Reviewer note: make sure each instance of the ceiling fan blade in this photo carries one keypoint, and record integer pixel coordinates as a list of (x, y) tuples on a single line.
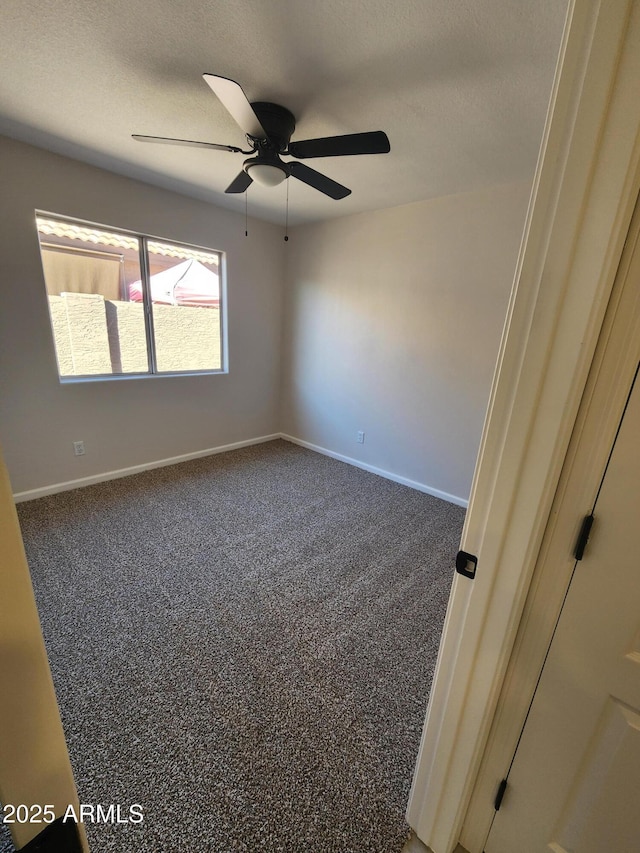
[(232, 96), (375, 142), (240, 183), (317, 181), (168, 141)]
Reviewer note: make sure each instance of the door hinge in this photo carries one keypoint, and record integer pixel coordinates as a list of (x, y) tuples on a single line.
[(583, 536), (502, 787)]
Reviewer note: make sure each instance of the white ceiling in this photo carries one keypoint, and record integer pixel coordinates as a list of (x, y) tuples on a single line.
[(460, 86)]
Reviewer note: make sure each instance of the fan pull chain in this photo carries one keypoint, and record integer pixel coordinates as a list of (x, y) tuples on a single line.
[(286, 216), (246, 213)]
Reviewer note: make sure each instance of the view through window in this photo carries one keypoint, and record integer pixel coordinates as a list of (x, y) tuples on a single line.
[(124, 304)]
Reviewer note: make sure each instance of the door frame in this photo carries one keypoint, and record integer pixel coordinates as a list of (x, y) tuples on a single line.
[(34, 761), (584, 192), (601, 411)]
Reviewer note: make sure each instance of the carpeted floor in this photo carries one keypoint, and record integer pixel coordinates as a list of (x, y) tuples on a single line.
[(244, 645)]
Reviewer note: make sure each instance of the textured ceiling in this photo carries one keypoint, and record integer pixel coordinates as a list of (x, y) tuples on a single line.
[(460, 86)]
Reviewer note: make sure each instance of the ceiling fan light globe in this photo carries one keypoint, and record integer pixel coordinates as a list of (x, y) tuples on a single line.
[(266, 174)]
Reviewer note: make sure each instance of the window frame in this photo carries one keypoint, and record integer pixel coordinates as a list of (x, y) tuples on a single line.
[(147, 304)]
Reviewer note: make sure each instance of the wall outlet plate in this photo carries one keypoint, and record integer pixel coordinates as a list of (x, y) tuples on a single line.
[(78, 448)]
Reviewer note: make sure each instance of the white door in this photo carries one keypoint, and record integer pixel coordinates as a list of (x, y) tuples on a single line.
[(574, 785)]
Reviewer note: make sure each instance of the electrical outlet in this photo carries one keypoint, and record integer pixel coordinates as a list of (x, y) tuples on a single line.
[(360, 438), (78, 448)]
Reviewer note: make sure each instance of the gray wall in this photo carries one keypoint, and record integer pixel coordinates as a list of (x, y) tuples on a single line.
[(393, 324), (126, 422), (387, 322)]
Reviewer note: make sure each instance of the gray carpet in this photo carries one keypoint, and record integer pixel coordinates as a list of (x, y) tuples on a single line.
[(244, 645)]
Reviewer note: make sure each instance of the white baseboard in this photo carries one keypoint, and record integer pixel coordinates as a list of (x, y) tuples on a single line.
[(54, 488), (404, 481)]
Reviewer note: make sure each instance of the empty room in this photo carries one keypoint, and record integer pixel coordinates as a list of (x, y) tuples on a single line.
[(292, 354)]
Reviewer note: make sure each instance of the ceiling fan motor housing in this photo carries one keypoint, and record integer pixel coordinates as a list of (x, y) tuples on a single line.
[(278, 123)]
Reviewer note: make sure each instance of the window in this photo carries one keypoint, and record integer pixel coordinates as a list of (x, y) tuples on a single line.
[(128, 304)]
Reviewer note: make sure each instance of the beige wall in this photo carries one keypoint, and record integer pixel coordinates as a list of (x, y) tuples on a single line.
[(126, 422), (393, 327)]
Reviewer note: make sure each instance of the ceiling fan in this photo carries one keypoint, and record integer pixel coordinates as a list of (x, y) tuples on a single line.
[(268, 128)]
